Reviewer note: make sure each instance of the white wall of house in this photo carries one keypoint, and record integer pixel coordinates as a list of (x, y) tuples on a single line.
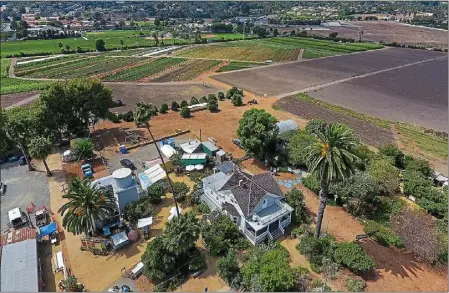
[(270, 199)]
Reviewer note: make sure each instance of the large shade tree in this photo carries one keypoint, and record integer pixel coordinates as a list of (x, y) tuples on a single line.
[(333, 159), (86, 204), (143, 113), (40, 148), (181, 233)]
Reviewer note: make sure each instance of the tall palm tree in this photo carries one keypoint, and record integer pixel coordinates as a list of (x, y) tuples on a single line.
[(40, 148), (142, 115), (333, 159), (181, 233), (87, 204)]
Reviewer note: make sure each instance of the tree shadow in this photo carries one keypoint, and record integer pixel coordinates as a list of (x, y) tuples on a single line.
[(398, 262), (45, 255), (211, 263), (127, 251)]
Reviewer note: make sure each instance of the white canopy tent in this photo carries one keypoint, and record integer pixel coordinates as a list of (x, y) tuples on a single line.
[(173, 213), (190, 167), (199, 167)]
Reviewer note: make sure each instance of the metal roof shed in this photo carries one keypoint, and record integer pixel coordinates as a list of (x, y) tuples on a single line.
[(19, 267), (193, 159), (190, 147), (209, 148)]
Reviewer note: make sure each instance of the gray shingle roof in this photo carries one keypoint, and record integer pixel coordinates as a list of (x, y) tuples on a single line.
[(249, 190), (19, 267), (230, 209)]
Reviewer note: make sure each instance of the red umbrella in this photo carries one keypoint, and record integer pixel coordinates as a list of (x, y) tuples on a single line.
[(133, 236)]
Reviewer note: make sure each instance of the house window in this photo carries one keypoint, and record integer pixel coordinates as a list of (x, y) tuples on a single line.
[(234, 219), (264, 204)]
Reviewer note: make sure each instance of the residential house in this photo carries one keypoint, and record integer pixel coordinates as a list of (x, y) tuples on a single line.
[(254, 202)]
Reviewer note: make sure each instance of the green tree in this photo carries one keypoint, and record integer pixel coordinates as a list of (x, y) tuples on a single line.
[(297, 147), (86, 204), (352, 256), (155, 192), (332, 159), (257, 131), (100, 45), (221, 96), (237, 100), (184, 104), (221, 235), (82, 148), (419, 165), (122, 43), (138, 209), (212, 102), (203, 99), (185, 112), (70, 105), (228, 269), (60, 45), (193, 101), (40, 148), (386, 176), (394, 153), (158, 263), (295, 198), (164, 108), (142, 115), (181, 233), (315, 125), (180, 190), (174, 106)]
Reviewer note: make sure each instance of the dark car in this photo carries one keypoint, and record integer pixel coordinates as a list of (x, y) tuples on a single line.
[(128, 164)]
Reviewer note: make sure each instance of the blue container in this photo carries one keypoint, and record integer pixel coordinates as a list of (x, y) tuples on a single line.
[(123, 149)]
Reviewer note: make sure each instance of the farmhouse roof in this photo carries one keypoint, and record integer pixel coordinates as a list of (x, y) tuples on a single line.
[(249, 190), (190, 147), (22, 234), (230, 209)]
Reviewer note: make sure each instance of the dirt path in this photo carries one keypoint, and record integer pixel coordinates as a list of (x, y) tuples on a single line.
[(320, 86), (23, 102), (301, 52), (11, 67)]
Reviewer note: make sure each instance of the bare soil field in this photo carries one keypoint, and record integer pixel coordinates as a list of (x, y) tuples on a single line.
[(391, 32), (131, 93), (415, 95), (286, 78), (11, 99), (369, 133)]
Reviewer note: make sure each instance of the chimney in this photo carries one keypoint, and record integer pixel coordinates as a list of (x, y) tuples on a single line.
[(240, 182)]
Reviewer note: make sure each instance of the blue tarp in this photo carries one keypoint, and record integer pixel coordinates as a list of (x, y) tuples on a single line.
[(47, 230)]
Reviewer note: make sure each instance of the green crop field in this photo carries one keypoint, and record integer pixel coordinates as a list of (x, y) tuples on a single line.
[(144, 70), (111, 38), (236, 65), (229, 36), (12, 85)]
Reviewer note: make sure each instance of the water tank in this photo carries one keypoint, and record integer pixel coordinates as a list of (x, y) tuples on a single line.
[(123, 177)]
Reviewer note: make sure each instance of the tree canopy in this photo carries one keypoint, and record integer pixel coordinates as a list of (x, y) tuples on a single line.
[(181, 233), (297, 147)]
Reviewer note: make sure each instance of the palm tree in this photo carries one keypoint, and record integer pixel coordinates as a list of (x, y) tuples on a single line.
[(142, 115), (181, 233), (87, 204), (40, 148), (333, 159)]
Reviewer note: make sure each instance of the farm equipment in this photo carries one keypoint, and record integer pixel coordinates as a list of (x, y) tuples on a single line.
[(88, 171), (17, 218), (252, 102)]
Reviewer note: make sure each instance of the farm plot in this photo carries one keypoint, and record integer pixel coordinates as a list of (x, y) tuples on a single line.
[(188, 71), (286, 78), (368, 132), (12, 85), (29, 68), (248, 52), (236, 65), (144, 70)]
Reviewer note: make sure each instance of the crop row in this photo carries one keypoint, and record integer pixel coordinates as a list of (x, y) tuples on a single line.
[(50, 70), (236, 65), (188, 71), (144, 70), (46, 62)]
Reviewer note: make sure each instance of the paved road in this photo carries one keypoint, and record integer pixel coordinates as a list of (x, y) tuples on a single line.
[(23, 187)]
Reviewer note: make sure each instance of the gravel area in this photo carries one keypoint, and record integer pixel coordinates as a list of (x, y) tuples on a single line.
[(23, 187), (286, 78)]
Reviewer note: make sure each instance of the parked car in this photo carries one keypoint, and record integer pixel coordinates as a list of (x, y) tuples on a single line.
[(237, 142), (23, 161), (128, 164)]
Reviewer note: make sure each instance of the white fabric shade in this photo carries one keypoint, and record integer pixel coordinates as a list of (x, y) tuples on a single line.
[(199, 167), (190, 167), (144, 222)]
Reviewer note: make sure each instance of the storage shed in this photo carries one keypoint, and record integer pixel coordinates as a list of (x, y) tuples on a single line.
[(193, 159), (191, 146), (209, 148)]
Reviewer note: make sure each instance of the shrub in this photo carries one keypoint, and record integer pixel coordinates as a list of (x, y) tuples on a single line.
[(355, 285), (82, 148), (185, 112), (212, 103), (383, 235), (128, 116), (234, 91), (184, 104), (180, 189), (352, 256), (203, 208), (314, 126), (100, 45), (394, 153), (193, 101), (319, 286), (237, 100), (203, 99), (138, 209), (295, 198), (416, 184), (418, 165), (114, 118), (228, 268), (312, 183), (316, 249), (155, 192), (297, 147), (164, 108), (174, 106), (221, 96), (221, 235), (386, 176), (301, 231)]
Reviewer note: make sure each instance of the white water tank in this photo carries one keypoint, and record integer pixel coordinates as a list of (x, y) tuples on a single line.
[(123, 177)]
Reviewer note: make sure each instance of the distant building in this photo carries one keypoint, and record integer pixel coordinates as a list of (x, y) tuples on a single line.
[(20, 267)]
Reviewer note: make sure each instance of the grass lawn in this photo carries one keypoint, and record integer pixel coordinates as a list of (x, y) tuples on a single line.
[(111, 38), (229, 36), (12, 85)]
